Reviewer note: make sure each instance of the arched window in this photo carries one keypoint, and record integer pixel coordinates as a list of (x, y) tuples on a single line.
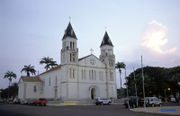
[(73, 45), (73, 57), (73, 73), (70, 45), (49, 81), (35, 89), (70, 57)]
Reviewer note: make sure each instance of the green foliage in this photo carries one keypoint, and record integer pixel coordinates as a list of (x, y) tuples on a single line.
[(156, 81), (28, 69), (9, 75), (121, 93), (13, 91), (49, 63)]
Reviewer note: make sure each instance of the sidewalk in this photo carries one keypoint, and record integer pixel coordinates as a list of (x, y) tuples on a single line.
[(67, 103), (171, 110)]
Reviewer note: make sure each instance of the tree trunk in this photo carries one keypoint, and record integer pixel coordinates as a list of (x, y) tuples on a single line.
[(120, 79), (8, 89), (28, 74)]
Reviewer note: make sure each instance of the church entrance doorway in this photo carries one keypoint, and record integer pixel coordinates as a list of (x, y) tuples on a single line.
[(55, 92), (93, 93)]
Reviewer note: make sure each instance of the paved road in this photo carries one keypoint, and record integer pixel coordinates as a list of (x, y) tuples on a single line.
[(26, 110)]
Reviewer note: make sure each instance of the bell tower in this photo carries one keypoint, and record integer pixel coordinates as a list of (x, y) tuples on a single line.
[(107, 56), (69, 51)]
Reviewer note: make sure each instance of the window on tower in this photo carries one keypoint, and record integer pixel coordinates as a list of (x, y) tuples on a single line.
[(70, 58), (73, 57), (73, 45)]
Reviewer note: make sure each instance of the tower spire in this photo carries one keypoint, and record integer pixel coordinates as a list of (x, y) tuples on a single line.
[(106, 40), (69, 32)]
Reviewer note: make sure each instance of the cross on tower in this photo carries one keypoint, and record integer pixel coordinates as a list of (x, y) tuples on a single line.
[(69, 19), (105, 28), (91, 51)]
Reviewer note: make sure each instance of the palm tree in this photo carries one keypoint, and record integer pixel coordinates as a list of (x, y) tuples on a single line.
[(48, 62), (29, 69), (53, 64), (9, 75), (119, 66)]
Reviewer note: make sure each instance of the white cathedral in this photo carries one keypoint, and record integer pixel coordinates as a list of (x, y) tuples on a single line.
[(75, 78)]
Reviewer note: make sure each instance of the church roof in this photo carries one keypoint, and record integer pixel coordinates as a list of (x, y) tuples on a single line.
[(31, 79), (55, 68), (84, 57), (69, 32), (106, 40), (80, 59)]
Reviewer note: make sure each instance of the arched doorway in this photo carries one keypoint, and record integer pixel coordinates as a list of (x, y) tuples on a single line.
[(93, 93)]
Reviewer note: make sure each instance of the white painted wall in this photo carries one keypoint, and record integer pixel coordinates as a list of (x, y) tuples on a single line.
[(49, 84)]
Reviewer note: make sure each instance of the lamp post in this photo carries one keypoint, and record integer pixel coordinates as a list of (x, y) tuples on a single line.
[(165, 95), (135, 88), (127, 88)]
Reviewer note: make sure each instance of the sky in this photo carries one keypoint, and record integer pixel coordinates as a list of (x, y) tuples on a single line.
[(32, 29)]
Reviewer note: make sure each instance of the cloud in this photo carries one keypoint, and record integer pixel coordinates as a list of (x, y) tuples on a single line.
[(155, 38)]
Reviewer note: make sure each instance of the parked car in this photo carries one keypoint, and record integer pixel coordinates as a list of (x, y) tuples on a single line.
[(40, 101), (102, 101), (16, 101), (172, 99), (132, 101), (1, 101), (10, 101), (151, 101)]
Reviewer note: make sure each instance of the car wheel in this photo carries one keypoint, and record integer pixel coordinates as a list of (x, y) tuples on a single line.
[(152, 105)]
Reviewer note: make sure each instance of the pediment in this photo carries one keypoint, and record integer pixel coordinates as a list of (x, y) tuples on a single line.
[(91, 60)]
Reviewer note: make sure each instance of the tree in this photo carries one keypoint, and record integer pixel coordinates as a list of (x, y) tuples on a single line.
[(9, 75), (29, 69), (119, 66), (49, 63), (12, 93), (157, 80)]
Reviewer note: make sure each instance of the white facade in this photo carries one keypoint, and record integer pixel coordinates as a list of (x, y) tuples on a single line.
[(75, 79)]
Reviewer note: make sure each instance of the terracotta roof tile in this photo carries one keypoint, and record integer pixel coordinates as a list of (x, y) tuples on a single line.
[(55, 68), (31, 79)]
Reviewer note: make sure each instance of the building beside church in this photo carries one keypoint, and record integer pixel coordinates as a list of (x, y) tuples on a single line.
[(75, 78)]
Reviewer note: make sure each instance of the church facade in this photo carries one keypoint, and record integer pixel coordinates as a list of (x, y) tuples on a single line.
[(75, 78)]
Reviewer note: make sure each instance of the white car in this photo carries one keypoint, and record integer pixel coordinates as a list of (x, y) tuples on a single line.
[(173, 99), (102, 101), (153, 101)]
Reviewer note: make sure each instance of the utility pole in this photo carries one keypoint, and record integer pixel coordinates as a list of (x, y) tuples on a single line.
[(135, 88), (143, 81)]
